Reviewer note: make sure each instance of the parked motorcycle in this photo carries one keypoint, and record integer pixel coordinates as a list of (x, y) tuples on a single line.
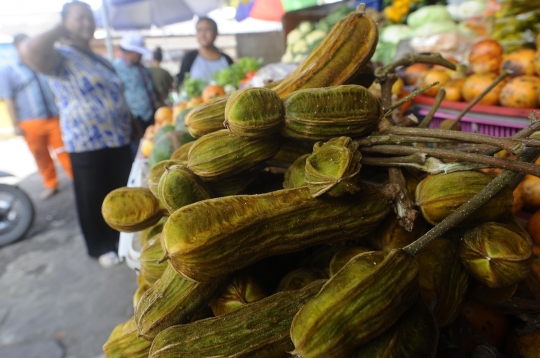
[(16, 212)]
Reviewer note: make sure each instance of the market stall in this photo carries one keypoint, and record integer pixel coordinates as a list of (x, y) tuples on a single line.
[(345, 206)]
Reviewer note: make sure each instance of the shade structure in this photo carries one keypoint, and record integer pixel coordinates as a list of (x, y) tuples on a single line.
[(270, 10), (142, 14)]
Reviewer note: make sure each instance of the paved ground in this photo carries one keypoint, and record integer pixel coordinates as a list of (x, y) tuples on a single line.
[(54, 301)]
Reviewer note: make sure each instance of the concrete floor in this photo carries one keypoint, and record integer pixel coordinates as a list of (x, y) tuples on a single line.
[(55, 302)]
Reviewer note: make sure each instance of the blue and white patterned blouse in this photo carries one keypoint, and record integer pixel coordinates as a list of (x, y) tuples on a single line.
[(93, 112), (135, 92)]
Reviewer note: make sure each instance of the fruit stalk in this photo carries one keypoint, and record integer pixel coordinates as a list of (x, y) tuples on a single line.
[(503, 179), (411, 58), (429, 117), (453, 155)]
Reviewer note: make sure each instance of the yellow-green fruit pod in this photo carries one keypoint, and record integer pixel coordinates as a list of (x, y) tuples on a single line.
[(151, 270), (172, 300), (291, 150), (242, 289), (333, 168), (231, 186), (179, 187), (132, 209), (141, 289), (443, 279), (299, 278), (497, 255), (206, 117), (150, 232), (256, 330), (254, 112), (326, 113), (391, 235), (181, 154), (156, 172), (295, 176), (221, 154), (125, 343), (343, 256), (361, 301), (441, 194), (414, 335), (219, 236)]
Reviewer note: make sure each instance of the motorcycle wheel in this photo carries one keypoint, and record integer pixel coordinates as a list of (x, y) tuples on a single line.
[(16, 213)]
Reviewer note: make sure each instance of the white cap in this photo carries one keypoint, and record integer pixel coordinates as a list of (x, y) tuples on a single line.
[(133, 41)]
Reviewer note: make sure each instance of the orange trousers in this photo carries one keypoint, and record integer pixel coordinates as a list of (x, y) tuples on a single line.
[(40, 134)]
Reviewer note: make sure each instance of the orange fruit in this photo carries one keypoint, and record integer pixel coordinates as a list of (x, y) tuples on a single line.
[(163, 114), (533, 228), (212, 91), (476, 84), (434, 75)]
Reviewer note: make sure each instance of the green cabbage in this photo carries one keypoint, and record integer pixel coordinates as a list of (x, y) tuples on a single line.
[(428, 14)]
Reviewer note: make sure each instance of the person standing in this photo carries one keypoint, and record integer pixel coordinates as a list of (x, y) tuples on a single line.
[(138, 88), (94, 117), (161, 78), (204, 62), (34, 115)]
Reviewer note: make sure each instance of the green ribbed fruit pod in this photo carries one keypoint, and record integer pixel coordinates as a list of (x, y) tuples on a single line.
[(391, 235), (443, 279), (255, 330), (220, 236), (333, 168), (441, 194), (242, 289), (181, 154), (132, 209), (361, 301), (233, 185), (124, 342), (206, 117), (178, 187), (157, 171), (329, 112), (254, 113), (221, 154), (344, 255), (295, 176), (414, 335), (497, 255), (173, 300), (151, 270), (149, 233), (299, 278)]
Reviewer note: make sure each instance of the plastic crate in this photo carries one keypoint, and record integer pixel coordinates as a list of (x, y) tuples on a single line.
[(490, 120)]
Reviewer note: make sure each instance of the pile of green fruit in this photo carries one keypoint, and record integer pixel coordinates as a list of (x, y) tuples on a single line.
[(268, 237)]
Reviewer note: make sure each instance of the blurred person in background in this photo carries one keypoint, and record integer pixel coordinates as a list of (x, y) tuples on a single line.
[(138, 88), (94, 117), (34, 114), (204, 62), (161, 78)]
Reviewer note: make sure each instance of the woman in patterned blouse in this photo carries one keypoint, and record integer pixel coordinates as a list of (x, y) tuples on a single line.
[(94, 118)]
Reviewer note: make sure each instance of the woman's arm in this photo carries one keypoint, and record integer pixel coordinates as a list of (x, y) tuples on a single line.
[(39, 52)]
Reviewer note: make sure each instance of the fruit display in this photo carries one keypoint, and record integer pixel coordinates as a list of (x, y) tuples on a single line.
[(487, 60), (311, 224)]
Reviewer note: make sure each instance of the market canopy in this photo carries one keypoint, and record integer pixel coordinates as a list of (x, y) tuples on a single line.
[(142, 14), (270, 10)]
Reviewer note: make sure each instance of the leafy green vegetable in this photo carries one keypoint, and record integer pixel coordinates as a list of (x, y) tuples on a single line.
[(193, 86), (237, 71)]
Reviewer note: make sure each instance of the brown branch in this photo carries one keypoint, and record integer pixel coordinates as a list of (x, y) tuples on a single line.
[(512, 145), (527, 168), (403, 205), (412, 58), (471, 206), (417, 158), (524, 133), (499, 78), (429, 117), (395, 139), (390, 107)]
